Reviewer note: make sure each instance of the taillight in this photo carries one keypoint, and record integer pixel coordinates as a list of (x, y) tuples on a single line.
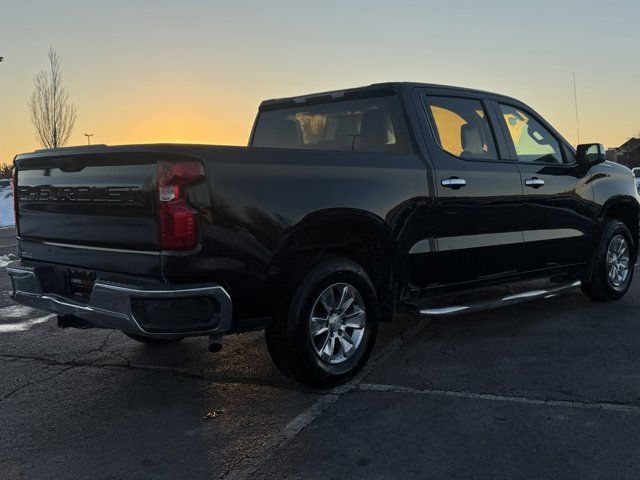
[(178, 224), (14, 190)]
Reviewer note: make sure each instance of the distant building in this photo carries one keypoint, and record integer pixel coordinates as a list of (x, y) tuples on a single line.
[(612, 155), (628, 154)]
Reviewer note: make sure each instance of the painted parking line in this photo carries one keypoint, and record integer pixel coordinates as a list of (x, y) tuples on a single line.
[(253, 461), (617, 407), (24, 326)]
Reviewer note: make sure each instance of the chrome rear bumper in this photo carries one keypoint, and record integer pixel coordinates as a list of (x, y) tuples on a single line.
[(110, 303)]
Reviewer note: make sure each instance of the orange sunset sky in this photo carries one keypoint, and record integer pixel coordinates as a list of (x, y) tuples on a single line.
[(195, 71)]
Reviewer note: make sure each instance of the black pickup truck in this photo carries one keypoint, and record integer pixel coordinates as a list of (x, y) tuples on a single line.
[(344, 207)]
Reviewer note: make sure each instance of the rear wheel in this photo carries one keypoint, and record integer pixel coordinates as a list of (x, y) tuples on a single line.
[(613, 264), (326, 328)]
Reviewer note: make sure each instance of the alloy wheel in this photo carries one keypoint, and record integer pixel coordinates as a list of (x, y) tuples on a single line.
[(337, 323), (618, 259)]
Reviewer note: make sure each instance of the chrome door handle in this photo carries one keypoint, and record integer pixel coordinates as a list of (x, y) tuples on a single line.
[(454, 182), (534, 182)]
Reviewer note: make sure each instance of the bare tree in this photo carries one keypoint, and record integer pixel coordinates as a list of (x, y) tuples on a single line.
[(52, 114), (6, 170)]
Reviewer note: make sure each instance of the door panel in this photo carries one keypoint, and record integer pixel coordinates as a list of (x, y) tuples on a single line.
[(478, 226), (477, 220), (558, 227), (557, 219)]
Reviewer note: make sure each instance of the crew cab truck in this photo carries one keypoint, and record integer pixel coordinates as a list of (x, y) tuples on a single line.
[(344, 207)]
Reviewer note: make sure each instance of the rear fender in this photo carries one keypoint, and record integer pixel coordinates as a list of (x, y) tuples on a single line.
[(357, 234)]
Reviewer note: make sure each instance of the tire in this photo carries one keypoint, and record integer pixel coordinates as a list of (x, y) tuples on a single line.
[(602, 287), (301, 348), (152, 341)]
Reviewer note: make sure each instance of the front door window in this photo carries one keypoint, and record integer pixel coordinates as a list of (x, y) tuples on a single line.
[(533, 142)]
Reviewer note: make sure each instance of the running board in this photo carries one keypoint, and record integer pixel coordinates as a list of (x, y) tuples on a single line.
[(502, 302)]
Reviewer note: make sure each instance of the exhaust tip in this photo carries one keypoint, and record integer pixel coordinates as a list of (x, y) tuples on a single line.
[(215, 343)]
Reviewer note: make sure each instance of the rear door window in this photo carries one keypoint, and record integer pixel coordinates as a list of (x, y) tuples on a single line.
[(461, 127), (372, 125)]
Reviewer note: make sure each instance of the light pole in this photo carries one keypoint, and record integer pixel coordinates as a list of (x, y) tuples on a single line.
[(88, 135), (575, 96), (1, 59)]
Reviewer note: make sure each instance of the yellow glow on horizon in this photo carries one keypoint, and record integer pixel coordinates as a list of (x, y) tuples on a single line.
[(193, 118), (195, 72)]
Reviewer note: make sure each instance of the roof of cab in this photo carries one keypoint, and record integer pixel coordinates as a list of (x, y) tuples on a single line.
[(376, 89)]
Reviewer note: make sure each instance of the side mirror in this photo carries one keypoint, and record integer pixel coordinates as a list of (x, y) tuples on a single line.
[(591, 154)]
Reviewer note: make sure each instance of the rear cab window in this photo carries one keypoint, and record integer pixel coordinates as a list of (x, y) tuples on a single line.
[(373, 125)]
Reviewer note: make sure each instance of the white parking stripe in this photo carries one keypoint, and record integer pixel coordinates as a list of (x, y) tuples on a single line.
[(23, 326), (369, 387), (263, 454)]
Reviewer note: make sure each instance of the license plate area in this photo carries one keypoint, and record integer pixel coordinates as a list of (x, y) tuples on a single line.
[(81, 283)]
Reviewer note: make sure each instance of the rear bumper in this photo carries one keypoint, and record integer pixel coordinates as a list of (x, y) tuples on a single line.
[(112, 304)]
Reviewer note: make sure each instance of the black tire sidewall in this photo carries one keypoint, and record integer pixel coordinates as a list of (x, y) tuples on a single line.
[(314, 283)]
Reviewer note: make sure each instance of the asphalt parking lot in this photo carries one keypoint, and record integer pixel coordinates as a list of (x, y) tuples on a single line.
[(547, 389)]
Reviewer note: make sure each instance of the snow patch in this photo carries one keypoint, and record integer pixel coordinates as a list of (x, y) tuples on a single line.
[(7, 259), (19, 312), (23, 326), (6, 211), (16, 311)]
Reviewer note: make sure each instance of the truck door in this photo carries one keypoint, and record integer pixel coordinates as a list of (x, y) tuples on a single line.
[(477, 225), (558, 221)]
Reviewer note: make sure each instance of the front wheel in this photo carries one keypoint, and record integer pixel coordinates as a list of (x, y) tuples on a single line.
[(325, 330), (613, 266)]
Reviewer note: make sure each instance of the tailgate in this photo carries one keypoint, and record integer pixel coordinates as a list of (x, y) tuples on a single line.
[(103, 202), (94, 211)]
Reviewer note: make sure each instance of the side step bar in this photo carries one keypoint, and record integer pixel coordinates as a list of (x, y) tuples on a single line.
[(502, 302)]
